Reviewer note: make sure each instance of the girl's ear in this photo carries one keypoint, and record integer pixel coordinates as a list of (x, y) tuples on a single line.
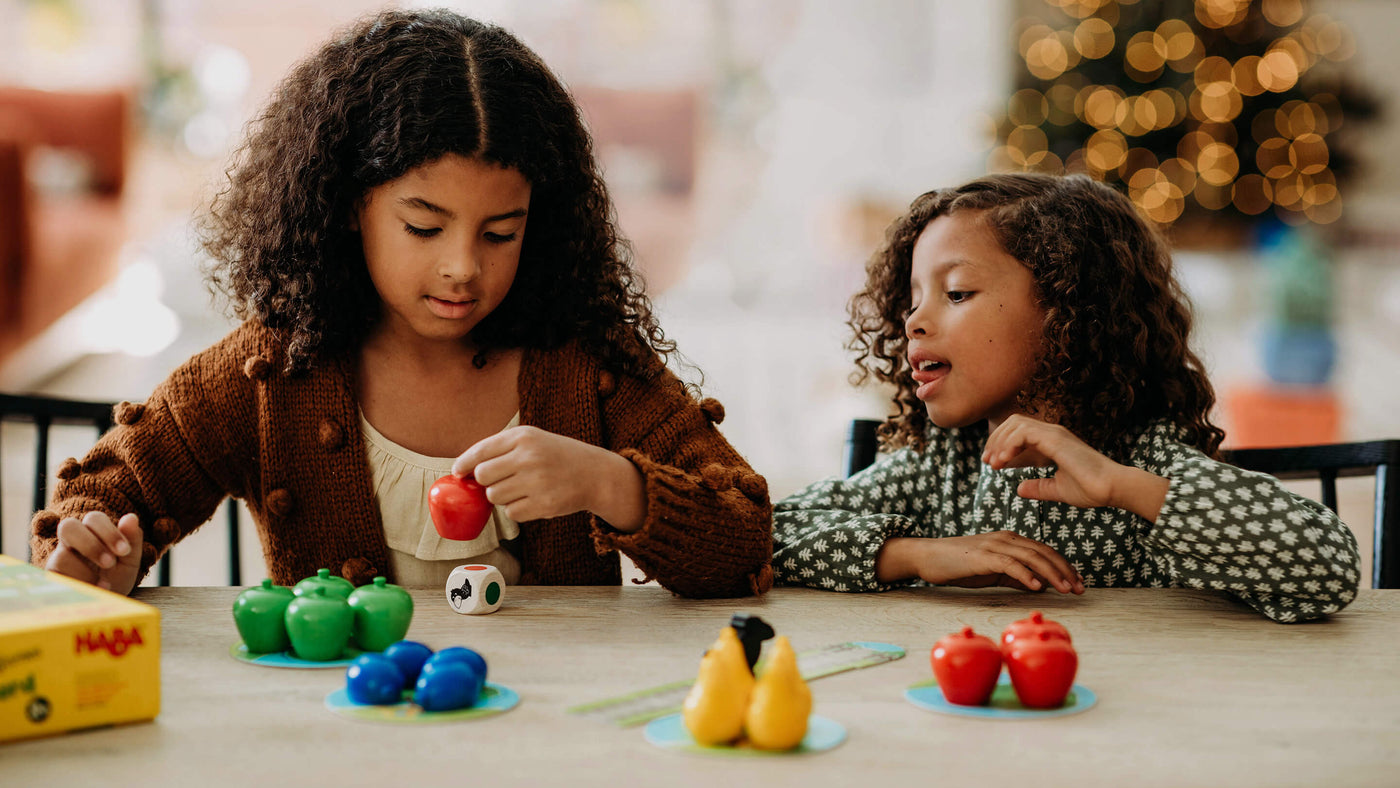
[(355, 209)]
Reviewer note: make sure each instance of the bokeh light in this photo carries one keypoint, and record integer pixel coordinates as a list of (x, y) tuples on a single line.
[(1226, 106)]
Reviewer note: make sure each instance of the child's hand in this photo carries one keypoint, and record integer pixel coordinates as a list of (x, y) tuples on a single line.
[(533, 474), (1083, 477), (1000, 558), (95, 551)]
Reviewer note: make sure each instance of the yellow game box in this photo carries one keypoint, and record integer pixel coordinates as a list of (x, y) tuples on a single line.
[(72, 655)]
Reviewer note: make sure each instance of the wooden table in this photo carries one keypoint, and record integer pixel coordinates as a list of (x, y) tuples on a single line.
[(1192, 690)]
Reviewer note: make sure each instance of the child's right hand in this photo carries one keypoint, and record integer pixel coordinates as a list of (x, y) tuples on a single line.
[(999, 558), (95, 551)]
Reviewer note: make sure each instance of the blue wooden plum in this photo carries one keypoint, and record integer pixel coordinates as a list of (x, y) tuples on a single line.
[(463, 655), (374, 679), (409, 655), (448, 686)]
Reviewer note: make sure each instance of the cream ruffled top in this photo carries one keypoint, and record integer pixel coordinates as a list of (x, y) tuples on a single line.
[(418, 556)]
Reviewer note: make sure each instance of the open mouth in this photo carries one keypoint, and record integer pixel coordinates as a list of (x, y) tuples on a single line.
[(930, 366)]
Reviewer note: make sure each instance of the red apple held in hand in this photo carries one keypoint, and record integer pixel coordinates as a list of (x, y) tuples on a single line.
[(1031, 627), (458, 507), (1042, 670), (967, 667)]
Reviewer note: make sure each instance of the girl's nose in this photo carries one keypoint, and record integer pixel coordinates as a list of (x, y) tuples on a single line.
[(916, 324), (460, 267)]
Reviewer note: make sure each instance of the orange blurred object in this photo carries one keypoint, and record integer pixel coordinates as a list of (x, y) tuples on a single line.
[(1267, 416)]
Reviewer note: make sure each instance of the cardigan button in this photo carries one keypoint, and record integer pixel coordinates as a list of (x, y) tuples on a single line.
[(607, 383), (279, 502), (358, 570), (331, 436)]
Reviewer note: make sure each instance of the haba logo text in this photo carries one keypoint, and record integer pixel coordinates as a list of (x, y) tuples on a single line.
[(116, 642)]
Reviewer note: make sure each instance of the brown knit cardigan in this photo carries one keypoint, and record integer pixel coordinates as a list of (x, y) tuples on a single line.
[(228, 423)]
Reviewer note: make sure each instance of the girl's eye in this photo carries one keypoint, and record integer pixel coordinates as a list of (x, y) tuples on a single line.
[(497, 238), (959, 296), (422, 232)]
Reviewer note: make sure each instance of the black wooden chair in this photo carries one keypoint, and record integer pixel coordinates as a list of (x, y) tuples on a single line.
[(47, 412), (1325, 463)]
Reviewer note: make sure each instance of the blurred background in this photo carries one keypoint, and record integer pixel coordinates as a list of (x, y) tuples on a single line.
[(756, 151)]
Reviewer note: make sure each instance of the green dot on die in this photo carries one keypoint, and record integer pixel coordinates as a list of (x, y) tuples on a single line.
[(493, 593)]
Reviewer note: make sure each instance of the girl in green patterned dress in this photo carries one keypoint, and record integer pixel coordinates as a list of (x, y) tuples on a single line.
[(1051, 425)]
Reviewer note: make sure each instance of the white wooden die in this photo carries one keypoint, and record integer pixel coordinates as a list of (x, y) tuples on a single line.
[(475, 589)]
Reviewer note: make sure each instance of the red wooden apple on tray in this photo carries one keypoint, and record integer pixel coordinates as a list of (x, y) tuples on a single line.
[(967, 667), (1031, 627), (458, 507), (1042, 668)]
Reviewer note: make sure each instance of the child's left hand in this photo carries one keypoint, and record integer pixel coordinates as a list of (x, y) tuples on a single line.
[(533, 474), (1083, 476)]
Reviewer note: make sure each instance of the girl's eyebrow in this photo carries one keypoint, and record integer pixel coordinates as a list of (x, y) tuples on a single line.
[(419, 202), (944, 266)]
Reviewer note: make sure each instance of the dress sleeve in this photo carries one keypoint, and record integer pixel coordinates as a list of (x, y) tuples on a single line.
[(708, 526), (168, 461), (829, 534), (1232, 530)]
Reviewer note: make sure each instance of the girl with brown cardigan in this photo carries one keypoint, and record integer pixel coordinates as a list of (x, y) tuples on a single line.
[(373, 237)]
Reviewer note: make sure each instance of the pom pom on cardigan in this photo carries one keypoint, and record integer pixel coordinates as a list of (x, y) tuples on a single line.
[(128, 413), (257, 367), (45, 524), (69, 469), (713, 409)]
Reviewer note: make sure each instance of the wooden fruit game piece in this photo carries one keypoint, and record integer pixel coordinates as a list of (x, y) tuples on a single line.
[(475, 589), (259, 613), (319, 625), (458, 508), (335, 586), (752, 632), (781, 703), (1042, 669), (383, 612), (1031, 626), (967, 666)]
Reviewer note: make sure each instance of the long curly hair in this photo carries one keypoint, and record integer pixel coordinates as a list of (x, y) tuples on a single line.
[(1117, 323), (392, 92)]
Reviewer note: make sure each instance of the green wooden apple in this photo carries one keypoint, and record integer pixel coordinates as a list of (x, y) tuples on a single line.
[(259, 613), (382, 614), (335, 586), (319, 625)]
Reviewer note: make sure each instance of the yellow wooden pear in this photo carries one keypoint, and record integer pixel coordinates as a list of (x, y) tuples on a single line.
[(781, 702), (714, 707)]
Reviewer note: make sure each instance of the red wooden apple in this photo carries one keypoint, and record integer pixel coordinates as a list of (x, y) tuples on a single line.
[(1042, 669), (1030, 627), (458, 507), (967, 667)]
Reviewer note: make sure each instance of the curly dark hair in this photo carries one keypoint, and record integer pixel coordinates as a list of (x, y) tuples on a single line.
[(1117, 323), (390, 93)]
